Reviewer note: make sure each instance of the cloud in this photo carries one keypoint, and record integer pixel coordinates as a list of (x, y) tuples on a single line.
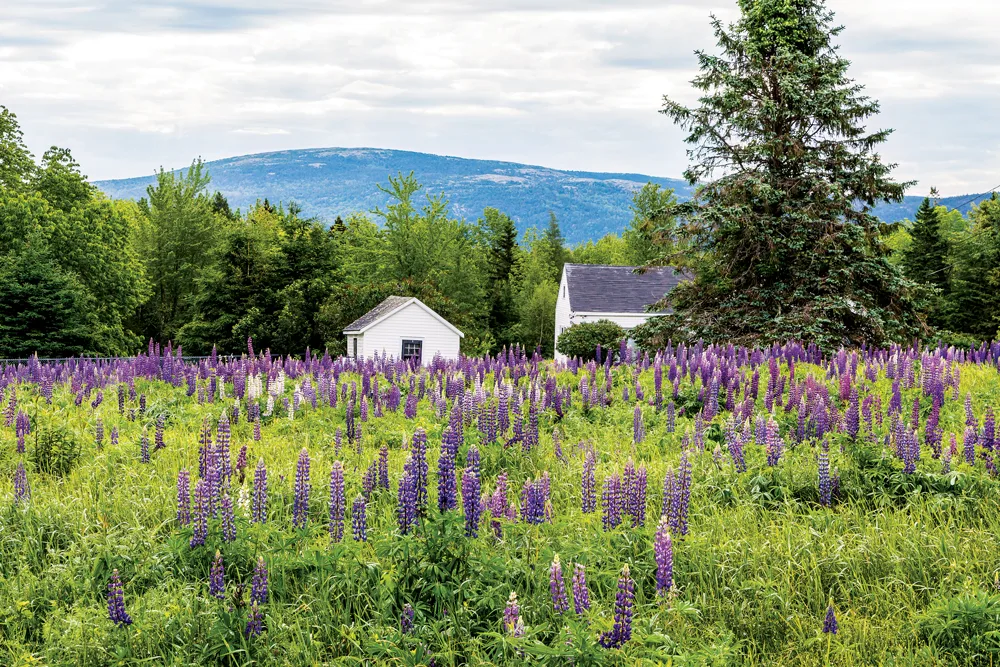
[(571, 84)]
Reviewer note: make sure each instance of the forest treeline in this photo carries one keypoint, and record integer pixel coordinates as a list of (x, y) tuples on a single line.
[(81, 274)]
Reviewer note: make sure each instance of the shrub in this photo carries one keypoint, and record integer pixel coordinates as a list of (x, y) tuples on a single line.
[(56, 451), (966, 626), (581, 340)]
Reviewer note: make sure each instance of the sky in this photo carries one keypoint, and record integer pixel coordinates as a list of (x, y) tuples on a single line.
[(130, 85)]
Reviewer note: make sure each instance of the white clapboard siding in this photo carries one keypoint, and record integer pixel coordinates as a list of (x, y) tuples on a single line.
[(412, 322)]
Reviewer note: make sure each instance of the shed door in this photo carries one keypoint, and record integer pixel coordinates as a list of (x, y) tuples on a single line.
[(412, 349)]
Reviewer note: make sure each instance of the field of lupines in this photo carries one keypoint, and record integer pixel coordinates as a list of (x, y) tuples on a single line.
[(703, 505)]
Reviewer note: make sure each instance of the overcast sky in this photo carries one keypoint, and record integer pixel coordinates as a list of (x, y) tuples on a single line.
[(129, 85)]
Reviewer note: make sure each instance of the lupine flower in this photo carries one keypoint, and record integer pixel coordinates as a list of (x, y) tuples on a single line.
[(359, 519), (825, 489), (419, 456), (116, 602), (183, 497), (383, 467), (258, 585), (634, 491), (300, 507), (22, 428), (22, 491), (638, 427), (144, 448), (535, 501), (830, 622), (337, 502), (611, 501), (471, 489), (201, 512), (255, 621), (621, 631), (663, 552), (773, 442), (588, 484), (158, 442), (406, 618), (217, 578), (228, 519), (512, 622), (258, 512), (406, 509), (99, 433), (447, 487), (241, 462), (581, 596), (557, 587), (114, 435)]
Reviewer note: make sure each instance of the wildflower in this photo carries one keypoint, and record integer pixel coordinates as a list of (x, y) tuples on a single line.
[(663, 552), (611, 500), (470, 500), (144, 448), (216, 578), (447, 489), (406, 618), (512, 617), (638, 428), (201, 512), (116, 602), (258, 512), (825, 488), (406, 509), (183, 497), (22, 491), (621, 631), (774, 444), (830, 622), (337, 502), (581, 596), (359, 519), (300, 507), (258, 584), (228, 519), (588, 484), (557, 587), (634, 492), (255, 621)]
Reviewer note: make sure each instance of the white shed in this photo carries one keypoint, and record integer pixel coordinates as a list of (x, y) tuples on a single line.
[(591, 292), (403, 327)]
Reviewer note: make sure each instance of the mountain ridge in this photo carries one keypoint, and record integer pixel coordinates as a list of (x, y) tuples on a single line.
[(332, 181)]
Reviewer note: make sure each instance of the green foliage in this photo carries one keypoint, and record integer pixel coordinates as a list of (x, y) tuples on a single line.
[(780, 234), (973, 294), (581, 340), (56, 451), (965, 626)]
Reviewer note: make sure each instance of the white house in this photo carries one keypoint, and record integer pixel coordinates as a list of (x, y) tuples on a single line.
[(591, 292), (403, 327)]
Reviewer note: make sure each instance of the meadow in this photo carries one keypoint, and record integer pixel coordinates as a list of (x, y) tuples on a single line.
[(699, 506)]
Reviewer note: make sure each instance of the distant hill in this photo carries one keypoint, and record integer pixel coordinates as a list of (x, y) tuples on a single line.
[(327, 182)]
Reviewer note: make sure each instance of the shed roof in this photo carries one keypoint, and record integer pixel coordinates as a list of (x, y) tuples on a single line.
[(389, 306), (599, 288)]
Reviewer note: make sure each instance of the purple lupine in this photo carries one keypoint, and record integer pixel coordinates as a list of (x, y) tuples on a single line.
[(228, 518), (471, 489), (734, 443), (300, 506), (557, 587), (774, 444), (447, 486), (588, 483), (663, 553), (410, 411), (581, 595), (383, 467), (406, 508), (255, 621), (114, 435), (989, 430), (638, 427), (823, 466), (258, 584), (420, 469), (99, 433), (406, 618), (830, 621), (338, 502), (144, 448), (258, 510), (116, 602), (217, 578), (671, 417), (969, 445), (22, 429), (359, 519), (158, 442), (256, 429), (634, 491), (201, 512), (183, 497), (621, 631), (535, 501), (512, 622), (611, 501), (22, 491), (241, 462)]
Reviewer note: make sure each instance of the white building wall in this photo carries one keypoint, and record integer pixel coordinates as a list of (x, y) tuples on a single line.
[(562, 313), (410, 323)]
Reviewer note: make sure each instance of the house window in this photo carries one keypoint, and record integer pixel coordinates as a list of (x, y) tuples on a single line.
[(355, 347), (564, 291), (412, 350)]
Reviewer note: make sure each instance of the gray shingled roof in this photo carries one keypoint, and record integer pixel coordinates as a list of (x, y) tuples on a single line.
[(390, 304), (597, 288)]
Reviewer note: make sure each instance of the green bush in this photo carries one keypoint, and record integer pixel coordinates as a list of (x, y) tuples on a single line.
[(581, 340), (56, 451), (966, 626)]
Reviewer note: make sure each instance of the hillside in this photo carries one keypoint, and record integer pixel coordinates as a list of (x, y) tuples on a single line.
[(327, 182)]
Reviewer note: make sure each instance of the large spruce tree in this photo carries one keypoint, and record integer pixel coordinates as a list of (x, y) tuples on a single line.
[(780, 236), (926, 259)]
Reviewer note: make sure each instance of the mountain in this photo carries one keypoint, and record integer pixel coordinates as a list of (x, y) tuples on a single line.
[(327, 182)]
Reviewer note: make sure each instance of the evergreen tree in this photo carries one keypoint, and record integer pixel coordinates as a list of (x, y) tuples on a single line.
[(972, 303), (925, 260), (780, 235), (555, 246), (501, 235)]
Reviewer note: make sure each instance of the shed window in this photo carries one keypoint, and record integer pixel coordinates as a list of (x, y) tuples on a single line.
[(355, 347), (412, 350)]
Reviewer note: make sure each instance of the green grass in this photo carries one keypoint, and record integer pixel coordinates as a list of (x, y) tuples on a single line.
[(909, 561)]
